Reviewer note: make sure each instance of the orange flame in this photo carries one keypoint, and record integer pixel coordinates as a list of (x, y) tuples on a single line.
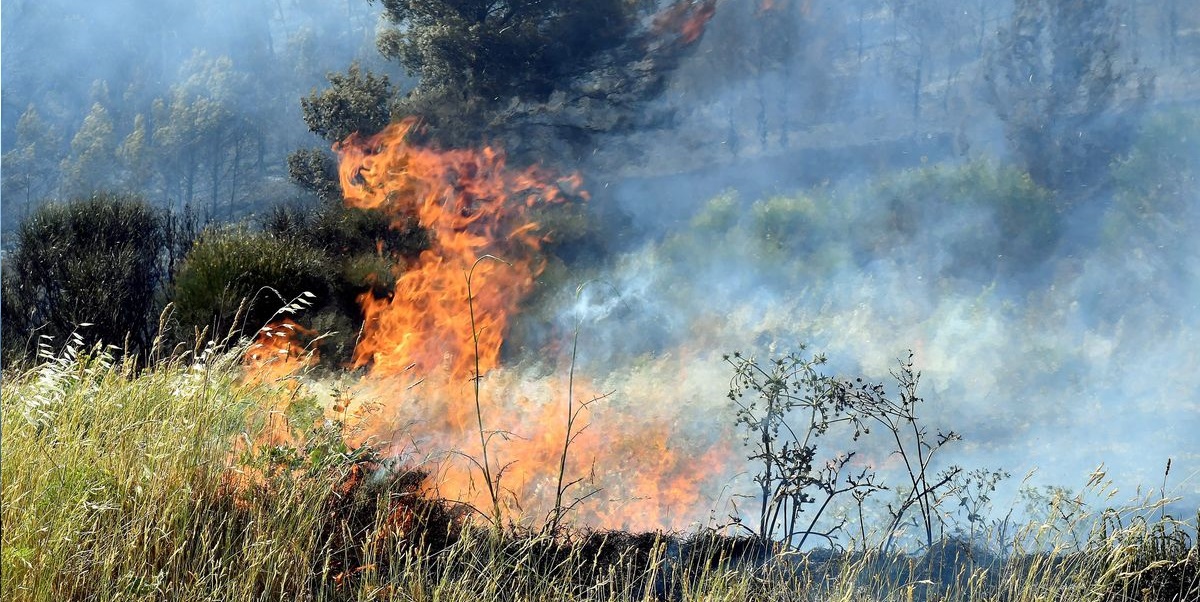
[(474, 206), (277, 352), (688, 18), (420, 349), (425, 343), (640, 468), (444, 323)]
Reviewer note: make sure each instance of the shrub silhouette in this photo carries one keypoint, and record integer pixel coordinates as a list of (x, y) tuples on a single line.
[(95, 261)]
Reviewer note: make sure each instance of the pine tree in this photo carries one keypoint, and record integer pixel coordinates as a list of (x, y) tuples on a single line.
[(134, 153), (90, 166), (30, 169), (1059, 82)]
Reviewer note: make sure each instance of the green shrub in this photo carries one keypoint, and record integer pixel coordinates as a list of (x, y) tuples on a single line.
[(798, 224), (96, 261), (362, 246), (1159, 174), (232, 265), (343, 231), (1022, 225)]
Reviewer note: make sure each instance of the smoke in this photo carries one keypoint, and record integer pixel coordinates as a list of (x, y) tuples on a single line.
[(239, 65), (819, 173), (1056, 330), (802, 197)]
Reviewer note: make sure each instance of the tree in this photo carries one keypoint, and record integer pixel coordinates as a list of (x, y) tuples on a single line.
[(1057, 80), (92, 265), (134, 153), (315, 170), (923, 31), (202, 143), (474, 56), (485, 49), (90, 165), (358, 101), (30, 169)]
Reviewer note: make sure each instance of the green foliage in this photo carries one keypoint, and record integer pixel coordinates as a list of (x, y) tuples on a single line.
[(314, 169), (1019, 224), (96, 262), (357, 101), (800, 224), (1154, 205), (31, 167), (577, 232), (476, 55), (362, 245), (362, 250), (91, 165), (344, 231), (982, 219), (201, 143), (485, 50), (230, 266), (719, 215), (134, 153)]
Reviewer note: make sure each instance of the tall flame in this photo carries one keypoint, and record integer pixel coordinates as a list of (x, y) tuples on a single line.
[(443, 325), (450, 309), (474, 207)]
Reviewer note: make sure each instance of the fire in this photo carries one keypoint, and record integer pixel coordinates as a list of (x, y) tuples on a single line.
[(425, 345), (443, 326), (638, 466), (437, 335), (452, 305), (277, 352), (688, 18), (766, 6)]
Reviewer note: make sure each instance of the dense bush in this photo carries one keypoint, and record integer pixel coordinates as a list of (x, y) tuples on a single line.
[(987, 217), (344, 231), (234, 265), (96, 261)]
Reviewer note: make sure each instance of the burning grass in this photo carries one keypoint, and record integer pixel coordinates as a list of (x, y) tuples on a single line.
[(169, 483)]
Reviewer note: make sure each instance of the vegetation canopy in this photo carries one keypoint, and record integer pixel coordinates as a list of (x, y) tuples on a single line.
[(93, 266)]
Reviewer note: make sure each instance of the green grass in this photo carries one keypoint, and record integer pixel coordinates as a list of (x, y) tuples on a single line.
[(126, 484)]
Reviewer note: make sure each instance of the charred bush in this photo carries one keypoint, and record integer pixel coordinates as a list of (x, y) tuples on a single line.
[(710, 550), (375, 516)]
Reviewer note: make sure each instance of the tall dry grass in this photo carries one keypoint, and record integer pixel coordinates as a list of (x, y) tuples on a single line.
[(178, 482)]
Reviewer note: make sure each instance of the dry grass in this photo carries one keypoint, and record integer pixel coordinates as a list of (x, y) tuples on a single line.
[(121, 484)]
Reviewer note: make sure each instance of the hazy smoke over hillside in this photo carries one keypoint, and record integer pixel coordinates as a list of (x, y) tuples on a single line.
[(1060, 342), (186, 102), (823, 173)]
